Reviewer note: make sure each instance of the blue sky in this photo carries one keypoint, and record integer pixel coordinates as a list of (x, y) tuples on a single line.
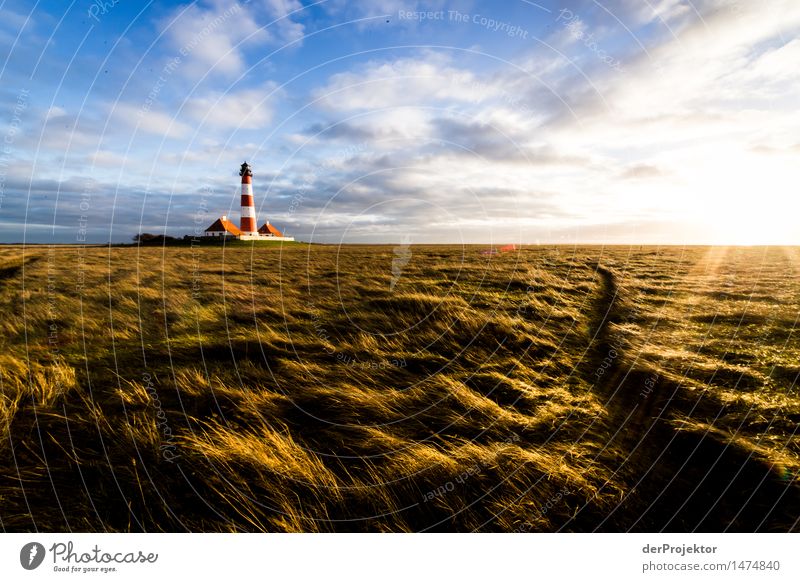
[(656, 121)]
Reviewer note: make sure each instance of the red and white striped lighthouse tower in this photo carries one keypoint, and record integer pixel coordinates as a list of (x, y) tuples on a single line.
[(248, 223)]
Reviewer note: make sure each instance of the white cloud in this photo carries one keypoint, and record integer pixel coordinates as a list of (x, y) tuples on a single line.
[(150, 121), (211, 37), (285, 29), (423, 81), (107, 159), (206, 38), (718, 77), (772, 74), (55, 111), (666, 11), (248, 109)]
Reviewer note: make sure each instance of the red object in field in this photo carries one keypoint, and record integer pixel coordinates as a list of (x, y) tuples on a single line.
[(248, 221), (503, 249)]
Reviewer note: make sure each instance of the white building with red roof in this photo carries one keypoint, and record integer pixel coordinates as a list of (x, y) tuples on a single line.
[(223, 227)]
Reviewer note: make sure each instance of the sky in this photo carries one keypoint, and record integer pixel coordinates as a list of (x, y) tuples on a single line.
[(579, 121)]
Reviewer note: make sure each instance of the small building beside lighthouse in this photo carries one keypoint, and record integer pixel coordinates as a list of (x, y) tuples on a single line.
[(268, 230), (223, 227), (247, 230)]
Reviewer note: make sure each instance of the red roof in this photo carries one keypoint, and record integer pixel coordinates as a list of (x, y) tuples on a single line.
[(221, 225), (267, 228)]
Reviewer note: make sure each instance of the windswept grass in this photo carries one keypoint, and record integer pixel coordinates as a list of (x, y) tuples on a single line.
[(298, 389)]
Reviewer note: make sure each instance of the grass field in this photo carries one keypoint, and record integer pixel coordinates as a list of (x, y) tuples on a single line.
[(358, 388)]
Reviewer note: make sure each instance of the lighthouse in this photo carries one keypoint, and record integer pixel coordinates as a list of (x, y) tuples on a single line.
[(223, 228), (248, 221)]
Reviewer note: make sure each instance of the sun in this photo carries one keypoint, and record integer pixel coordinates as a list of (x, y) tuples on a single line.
[(749, 200)]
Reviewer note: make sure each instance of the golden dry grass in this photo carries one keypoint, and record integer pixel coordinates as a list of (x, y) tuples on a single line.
[(296, 389)]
